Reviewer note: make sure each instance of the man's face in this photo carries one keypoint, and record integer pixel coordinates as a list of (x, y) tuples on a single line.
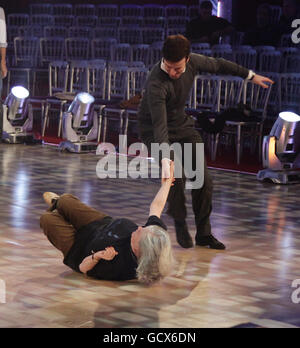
[(205, 13), (174, 69)]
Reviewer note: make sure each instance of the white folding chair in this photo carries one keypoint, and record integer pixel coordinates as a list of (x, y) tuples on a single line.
[(41, 19), (289, 92), (154, 22), (131, 11), (17, 19), (86, 21), (97, 76), (220, 52), (229, 94), (79, 31), (136, 82), (130, 35), (204, 98), (77, 48), (176, 21), (84, 10), (116, 92), (269, 61), (245, 57), (128, 21), (120, 52), (101, 48), (155, 54), (107, 11), (62, 9), (140, 53), (51, 49), (55, 31), (58, 84), (25, 60), (153, 10), (40, 9), (151, 35), (289, 56), (64, 20)]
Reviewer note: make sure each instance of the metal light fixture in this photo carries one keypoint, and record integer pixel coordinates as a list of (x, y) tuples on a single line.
[(281, 149), (80, 125), (17, 116)]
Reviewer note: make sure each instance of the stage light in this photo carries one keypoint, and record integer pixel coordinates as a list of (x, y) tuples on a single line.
[(80, 108), (17, 116), (80, 125), (281, 151)]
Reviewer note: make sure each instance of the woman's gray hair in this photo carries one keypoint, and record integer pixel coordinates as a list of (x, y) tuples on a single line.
[(156, 257)]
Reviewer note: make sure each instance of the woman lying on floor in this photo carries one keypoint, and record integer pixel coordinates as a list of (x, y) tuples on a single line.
[(95, 244)]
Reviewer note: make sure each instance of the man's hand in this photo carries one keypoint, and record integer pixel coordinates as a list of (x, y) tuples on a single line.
[(262, 81), (159, 202), (167, 171), (3, 69), (108, 254)]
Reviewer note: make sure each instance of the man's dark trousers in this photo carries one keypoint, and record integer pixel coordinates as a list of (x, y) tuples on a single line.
[(202, 197)]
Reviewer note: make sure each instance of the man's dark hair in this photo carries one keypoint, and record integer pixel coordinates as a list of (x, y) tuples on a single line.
[(206, 5), (176, 47)]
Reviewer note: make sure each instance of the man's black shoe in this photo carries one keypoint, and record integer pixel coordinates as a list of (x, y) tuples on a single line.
[(210, 241), (182, 235)]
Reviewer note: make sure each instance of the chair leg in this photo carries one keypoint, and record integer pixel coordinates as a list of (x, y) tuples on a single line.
[(100, 123), (238, 144), (61, 114), (99, 128), (104, 129), (215, 147), (126, 123), (45, 120), (8, 81), (260, 143), (60, 122)]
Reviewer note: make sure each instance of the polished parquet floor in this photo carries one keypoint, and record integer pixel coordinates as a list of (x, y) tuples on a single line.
[(249, 284)]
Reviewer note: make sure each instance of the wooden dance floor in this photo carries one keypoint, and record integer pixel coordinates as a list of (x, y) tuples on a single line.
[(248, 285)]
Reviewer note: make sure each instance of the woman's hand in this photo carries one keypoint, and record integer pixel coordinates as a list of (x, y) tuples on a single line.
[(108, 254)]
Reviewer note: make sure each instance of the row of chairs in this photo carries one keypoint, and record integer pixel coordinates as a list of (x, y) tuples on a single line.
[(35, 54), (109, 84), (284, 94), (32, 56), (31, 52), (259, 58), (114, 10), (94, 21), (128, 34)]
